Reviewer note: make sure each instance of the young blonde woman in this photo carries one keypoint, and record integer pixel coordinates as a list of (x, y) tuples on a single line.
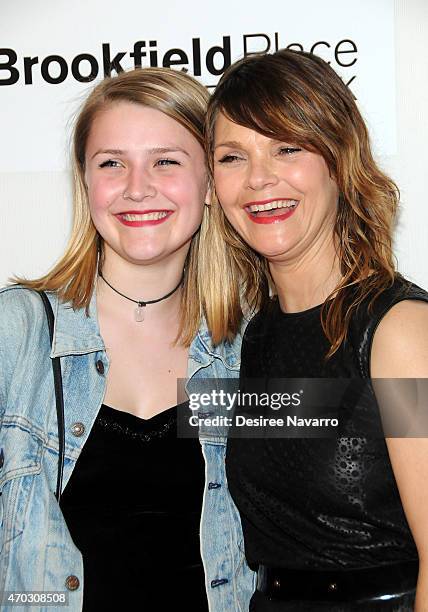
[(338, 523), (100, 502)]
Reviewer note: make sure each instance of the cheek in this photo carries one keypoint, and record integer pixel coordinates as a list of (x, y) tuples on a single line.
[(97, 199), (329, 192), (189, 192), (226, 189), (100, 193), (301, 179), (99, 202)]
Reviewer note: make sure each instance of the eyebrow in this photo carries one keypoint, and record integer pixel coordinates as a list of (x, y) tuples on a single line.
[(229, 143), (108, 151), (152, 151), (157, 150)]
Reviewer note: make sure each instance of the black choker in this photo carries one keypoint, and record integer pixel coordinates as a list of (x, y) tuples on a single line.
[(139, 313)]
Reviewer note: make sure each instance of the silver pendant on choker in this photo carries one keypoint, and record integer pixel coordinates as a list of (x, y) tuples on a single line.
[(139, 312)]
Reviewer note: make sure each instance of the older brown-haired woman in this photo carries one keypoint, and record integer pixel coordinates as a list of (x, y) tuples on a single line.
[(338, 523)]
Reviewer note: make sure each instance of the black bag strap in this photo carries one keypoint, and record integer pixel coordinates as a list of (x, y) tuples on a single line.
[(59, 397)]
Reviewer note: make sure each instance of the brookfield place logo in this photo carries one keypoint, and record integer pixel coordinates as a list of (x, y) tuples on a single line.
[(197, 58)]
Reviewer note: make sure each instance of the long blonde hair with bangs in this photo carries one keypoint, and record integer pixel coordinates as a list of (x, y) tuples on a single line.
[(298, 98), (178, 96)]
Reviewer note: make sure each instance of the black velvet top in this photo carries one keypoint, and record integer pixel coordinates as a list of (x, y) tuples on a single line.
[(133, 506), (312, 503)]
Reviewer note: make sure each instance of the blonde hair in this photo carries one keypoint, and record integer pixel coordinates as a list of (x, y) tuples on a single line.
[(298, 98), (178, 96)]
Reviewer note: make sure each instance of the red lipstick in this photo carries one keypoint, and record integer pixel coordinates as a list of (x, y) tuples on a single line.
[(272, 215), (273, 219), (144, 218)]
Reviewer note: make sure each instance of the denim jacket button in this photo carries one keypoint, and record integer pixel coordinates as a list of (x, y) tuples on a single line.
[(100, 367), (72, 583), (77, 429)]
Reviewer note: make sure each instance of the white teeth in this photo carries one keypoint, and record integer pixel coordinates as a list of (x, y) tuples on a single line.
[(152, 216), (273, 205)]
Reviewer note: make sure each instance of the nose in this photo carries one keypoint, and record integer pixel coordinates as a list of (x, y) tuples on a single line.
[(261, 174), (139, 185)]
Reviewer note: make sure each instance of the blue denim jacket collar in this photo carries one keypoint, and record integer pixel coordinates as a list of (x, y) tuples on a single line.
[(204, 351), (74, 332)]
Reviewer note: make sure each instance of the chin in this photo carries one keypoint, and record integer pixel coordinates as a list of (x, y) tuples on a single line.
[(143, 257), (270, 251)]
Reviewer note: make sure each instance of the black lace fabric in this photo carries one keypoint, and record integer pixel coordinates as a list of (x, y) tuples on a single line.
[(128, 426)]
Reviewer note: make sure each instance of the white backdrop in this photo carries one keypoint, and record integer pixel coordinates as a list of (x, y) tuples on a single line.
[(50, 57)]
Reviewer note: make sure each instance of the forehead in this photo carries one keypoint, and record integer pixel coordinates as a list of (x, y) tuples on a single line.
[(229, 133), (125, 124)]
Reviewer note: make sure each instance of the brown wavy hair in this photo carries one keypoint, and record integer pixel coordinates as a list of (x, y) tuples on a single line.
[(298, 98), (178, 96)]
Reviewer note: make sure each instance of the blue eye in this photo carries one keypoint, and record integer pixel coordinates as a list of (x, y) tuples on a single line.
[(167, 162), (109, 163)]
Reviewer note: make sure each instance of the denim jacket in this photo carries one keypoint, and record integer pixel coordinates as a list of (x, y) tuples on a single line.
[(229, 581), (36, 549)]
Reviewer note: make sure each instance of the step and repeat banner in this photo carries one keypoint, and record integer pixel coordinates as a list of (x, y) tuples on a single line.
[(52, 53)]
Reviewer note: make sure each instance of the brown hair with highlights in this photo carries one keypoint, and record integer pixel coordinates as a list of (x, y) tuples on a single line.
[(298, 98)]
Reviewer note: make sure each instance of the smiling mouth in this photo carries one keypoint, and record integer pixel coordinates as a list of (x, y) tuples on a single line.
[(271, 209), (135, 218), (149, 216)]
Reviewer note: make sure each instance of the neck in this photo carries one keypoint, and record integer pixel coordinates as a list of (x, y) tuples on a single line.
[(308, 280), (141, 283)]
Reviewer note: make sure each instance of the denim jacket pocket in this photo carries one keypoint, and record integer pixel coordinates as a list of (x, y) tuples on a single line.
[(20, 460)]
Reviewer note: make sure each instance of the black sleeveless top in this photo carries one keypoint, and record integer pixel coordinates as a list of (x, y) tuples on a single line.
[(310, 503), (133, 506)]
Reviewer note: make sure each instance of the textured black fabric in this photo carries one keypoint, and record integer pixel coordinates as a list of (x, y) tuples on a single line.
[(317, 503), (133, 506), (401, 603)]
